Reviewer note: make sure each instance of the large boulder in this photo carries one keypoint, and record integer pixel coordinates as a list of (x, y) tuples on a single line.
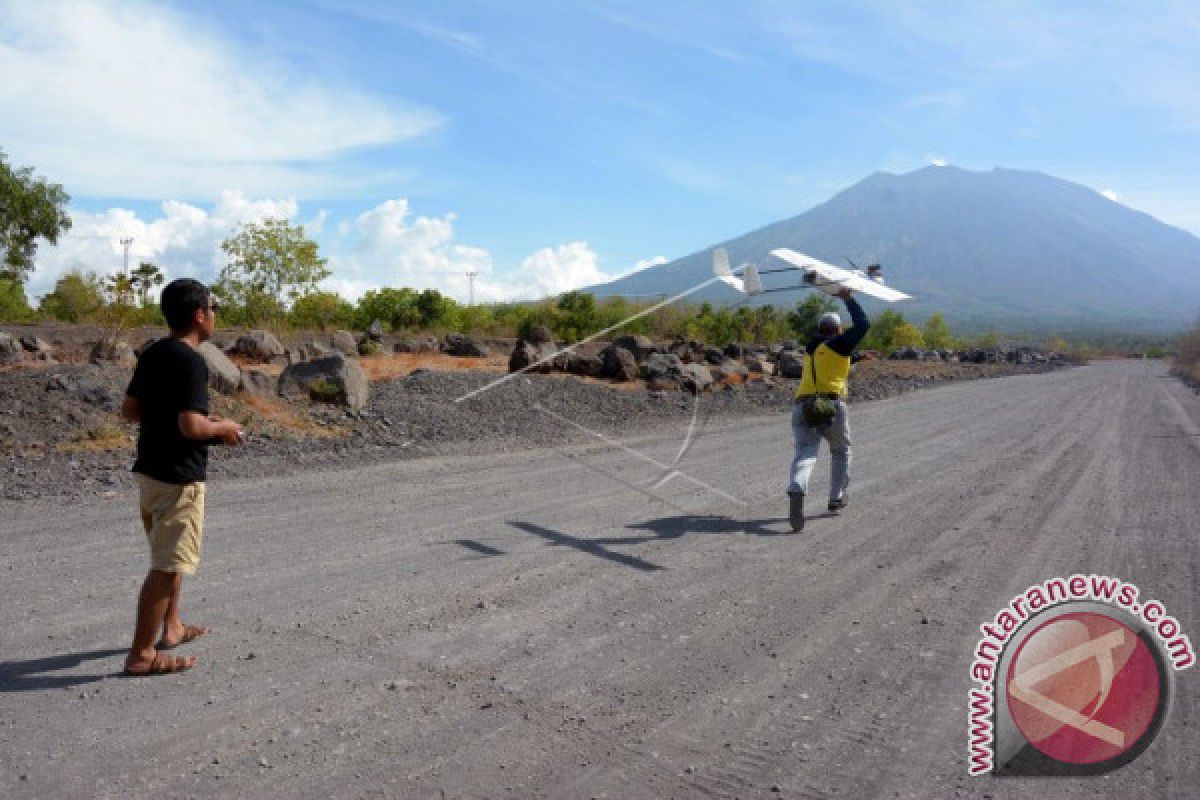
[(737, 350), (10, 349), (375, 331), (689, 352), (695, 377), (662, 367), (426, 344), (527, 353), (36, 346), (333, 379), (540, 334), (344, 343), (791, 365), (258, 346), (580, 364), (619, 363), (456, 344), (758, 364), (641, 346), (524, 354), (223, 375), (255, 381), (311, 350), (113, 352)]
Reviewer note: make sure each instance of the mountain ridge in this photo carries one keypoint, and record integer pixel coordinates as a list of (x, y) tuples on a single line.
[(1005, 247)]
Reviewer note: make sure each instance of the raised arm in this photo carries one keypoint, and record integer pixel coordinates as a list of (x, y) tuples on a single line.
[(844, 343)]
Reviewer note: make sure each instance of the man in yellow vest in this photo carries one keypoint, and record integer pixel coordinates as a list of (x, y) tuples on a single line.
[(826, 368)]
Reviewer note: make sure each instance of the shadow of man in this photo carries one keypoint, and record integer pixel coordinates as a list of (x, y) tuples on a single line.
[(25, 676), (675, 527)]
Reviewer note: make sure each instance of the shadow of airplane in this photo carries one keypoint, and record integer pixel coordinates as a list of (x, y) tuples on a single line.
[(25, 676), (593, 547)]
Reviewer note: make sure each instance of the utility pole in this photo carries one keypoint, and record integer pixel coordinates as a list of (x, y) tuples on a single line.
[(125, 243), (471, 287)]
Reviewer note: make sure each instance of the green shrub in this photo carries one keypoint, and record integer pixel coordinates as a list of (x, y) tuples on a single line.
[(14, 307), (324, 390)]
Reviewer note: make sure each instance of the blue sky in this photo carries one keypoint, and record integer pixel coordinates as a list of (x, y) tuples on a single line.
[(550, 144)]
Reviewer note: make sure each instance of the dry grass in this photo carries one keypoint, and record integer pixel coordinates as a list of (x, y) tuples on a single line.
[(258, 413), (102, 437), (249, 363), (396, 365)]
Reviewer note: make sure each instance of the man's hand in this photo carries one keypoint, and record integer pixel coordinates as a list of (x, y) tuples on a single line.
[(845, 294), (231, 433)]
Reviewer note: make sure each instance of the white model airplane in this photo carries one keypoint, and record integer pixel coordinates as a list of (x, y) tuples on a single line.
[(814, 274)]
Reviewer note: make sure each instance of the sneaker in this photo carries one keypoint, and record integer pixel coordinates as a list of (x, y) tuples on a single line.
[(837, 505), (796, 512)]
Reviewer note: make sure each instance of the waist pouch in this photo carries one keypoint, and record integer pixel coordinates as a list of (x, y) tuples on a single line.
[(818, 410)]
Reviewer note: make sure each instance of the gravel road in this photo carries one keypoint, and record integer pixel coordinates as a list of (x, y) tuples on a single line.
[(548, 624)]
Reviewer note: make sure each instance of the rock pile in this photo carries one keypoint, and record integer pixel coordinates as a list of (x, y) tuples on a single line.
[(995, 355), (687, 365), (695, 366)]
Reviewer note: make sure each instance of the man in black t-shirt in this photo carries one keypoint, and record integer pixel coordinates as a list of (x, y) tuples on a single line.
[(168, 396)]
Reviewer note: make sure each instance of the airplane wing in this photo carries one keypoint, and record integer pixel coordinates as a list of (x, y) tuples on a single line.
[(837, 275)]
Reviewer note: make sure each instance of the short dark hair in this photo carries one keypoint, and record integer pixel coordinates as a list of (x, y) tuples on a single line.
[(180, 299)]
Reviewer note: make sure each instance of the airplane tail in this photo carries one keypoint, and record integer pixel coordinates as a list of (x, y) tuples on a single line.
[(721, 263), (752, 281), (748, 283)]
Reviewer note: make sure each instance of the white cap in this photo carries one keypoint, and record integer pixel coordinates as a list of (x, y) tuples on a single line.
[(828, 321)]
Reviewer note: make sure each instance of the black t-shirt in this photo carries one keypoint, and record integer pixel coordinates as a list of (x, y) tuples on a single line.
[(170, 378)]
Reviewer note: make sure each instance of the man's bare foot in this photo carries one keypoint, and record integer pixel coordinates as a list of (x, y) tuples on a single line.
[(161, 664), (184, 634)]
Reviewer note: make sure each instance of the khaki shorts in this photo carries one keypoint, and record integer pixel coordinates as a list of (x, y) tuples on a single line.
[(173, 516)]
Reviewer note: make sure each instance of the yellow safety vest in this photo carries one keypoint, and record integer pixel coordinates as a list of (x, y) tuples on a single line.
[(832, 371)]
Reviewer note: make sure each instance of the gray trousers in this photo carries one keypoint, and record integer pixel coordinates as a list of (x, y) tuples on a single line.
[(808, 441)]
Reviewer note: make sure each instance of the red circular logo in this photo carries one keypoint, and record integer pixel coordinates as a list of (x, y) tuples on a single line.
[(1083, 688)]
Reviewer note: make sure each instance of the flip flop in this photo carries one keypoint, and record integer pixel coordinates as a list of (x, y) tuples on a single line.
[(162, 664), (190, 634)]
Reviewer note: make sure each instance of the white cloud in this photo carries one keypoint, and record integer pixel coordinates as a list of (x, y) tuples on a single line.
[(135, 100), (388, 246), (383, 246), (553, 270), (1111, 195), (938, 161), (184, 242)]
